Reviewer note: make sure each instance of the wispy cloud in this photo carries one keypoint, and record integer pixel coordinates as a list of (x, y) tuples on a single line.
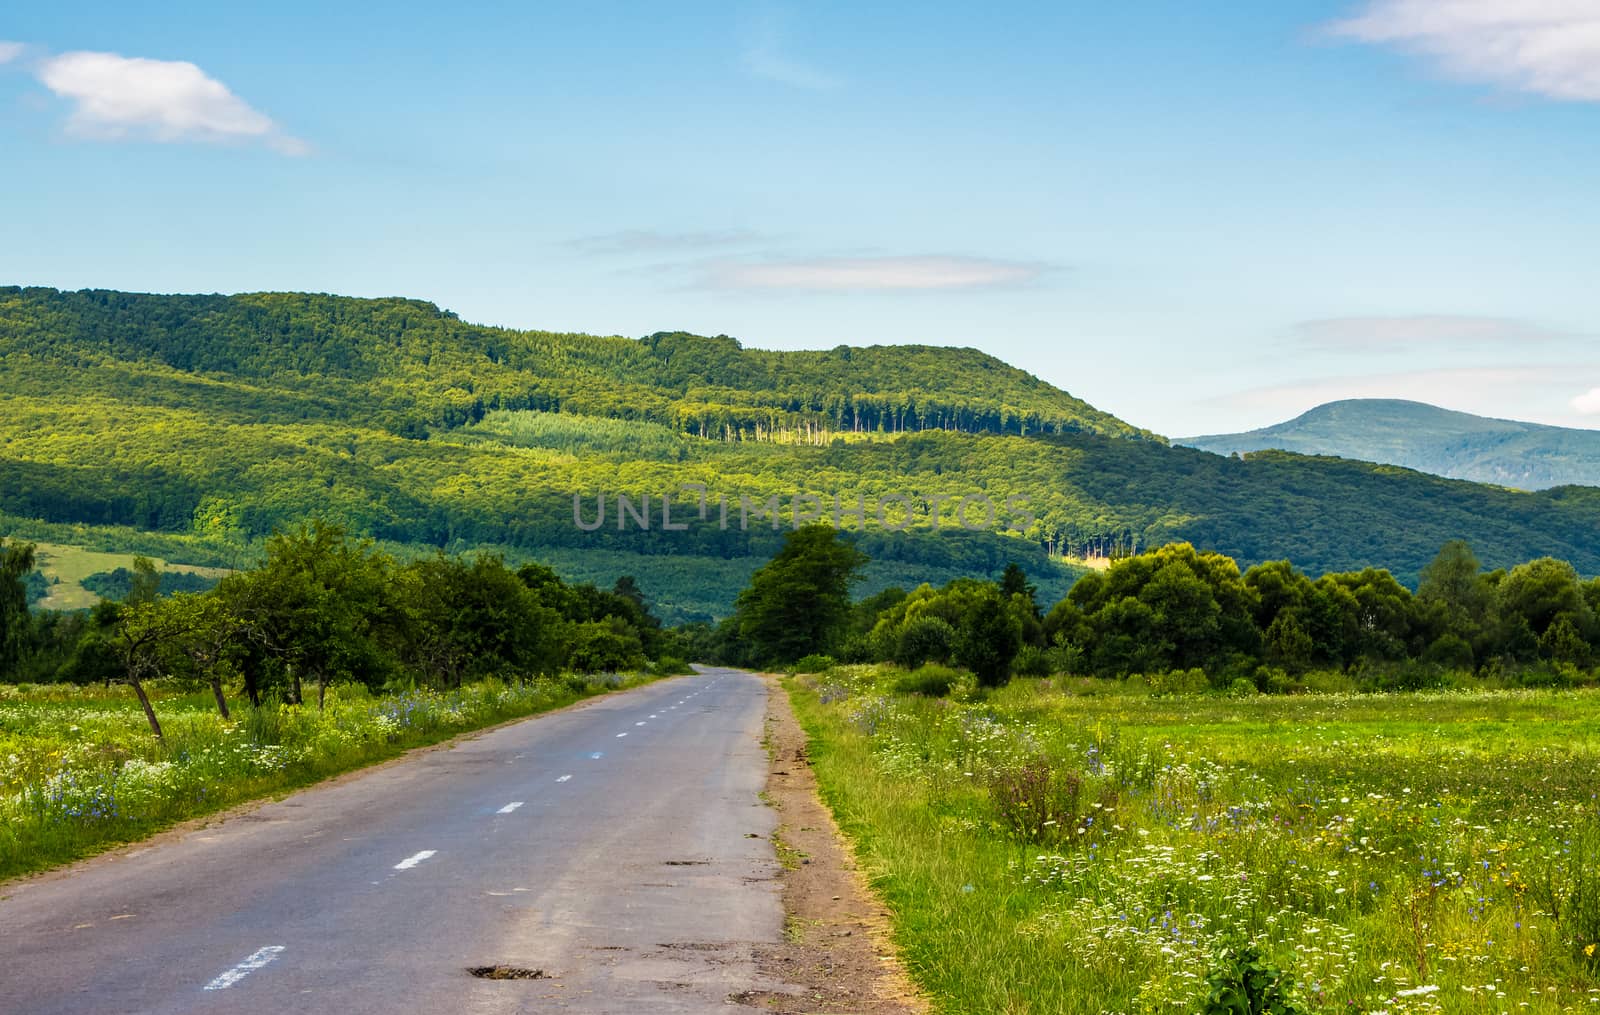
[(9, 51), (1394, 334), (868, 274), (132, 98), (650, 241), (1542, 47), (764, 56)]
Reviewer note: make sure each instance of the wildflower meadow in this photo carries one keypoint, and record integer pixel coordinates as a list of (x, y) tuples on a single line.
[(79, 770), (1088, 846)]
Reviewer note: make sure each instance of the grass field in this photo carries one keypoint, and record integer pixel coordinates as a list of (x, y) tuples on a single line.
[(80, 771), (68, 566), (1049, 851)]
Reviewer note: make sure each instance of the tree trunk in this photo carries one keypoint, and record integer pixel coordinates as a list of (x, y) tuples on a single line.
[(222, 702), (295, 674), (322, 690), (149, 712)]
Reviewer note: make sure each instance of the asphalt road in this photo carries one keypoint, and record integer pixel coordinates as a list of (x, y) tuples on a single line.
[(620, 847)]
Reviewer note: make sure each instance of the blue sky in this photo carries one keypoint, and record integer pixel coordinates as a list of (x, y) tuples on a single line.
[(1201, 217)]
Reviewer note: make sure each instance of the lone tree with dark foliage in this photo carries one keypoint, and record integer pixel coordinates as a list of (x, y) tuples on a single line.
[(799, 601)]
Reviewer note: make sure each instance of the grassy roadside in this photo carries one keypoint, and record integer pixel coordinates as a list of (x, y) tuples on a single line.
[(955, 910), (80, 773), (1397, 854)]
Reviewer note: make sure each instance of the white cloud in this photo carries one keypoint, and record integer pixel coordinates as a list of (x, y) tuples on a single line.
[(1588, 403), (9, 51), (1543, 47), (120, 97), (1377, 334), (845, 274)]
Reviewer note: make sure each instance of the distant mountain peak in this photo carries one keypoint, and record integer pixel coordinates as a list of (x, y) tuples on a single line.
[(1428, 438)]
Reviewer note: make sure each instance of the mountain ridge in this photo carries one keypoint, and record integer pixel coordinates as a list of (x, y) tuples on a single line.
[(213, 421), (1428, 438)]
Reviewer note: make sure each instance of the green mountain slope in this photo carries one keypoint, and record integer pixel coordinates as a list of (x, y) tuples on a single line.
[(209, 421), (407, 366), (1459, 445)]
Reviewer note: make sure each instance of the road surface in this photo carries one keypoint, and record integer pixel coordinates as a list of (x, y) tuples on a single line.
[(618, 848)]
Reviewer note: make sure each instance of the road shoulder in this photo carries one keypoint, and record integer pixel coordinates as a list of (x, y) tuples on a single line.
[(837, 946)]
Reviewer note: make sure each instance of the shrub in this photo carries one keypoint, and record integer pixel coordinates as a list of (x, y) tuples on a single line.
[(1570, 892), (1032, 661), (1276, 680), (1036, 801), (1067, 659), (814, 663), (1399, 676), (859, 648), (932, 681), (923, 639), (1179, 682), (1242, 687), (1450, 651), (605, 645), (1241, 982), (670, 666), (1327, 682)]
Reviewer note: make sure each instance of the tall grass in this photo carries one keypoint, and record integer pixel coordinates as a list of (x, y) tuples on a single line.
[(1048, 852), (79, 771)]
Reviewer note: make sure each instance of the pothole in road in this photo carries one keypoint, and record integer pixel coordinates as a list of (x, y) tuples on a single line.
[(686, 863), (507, 973)]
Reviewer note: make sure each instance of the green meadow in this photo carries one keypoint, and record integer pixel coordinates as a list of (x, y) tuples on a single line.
[(80, 772), (1084, 846)]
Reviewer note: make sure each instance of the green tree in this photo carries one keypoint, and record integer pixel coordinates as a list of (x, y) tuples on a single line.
[(1454, 598), (798, 602), (146, 583), (145, 636), (16, 563), (1287, 643), (605, 646), (1014, 582), (1541, 591), (923, 639), (1562, 643), (988, 639), (474, 618), (318, 607), (208, 633)]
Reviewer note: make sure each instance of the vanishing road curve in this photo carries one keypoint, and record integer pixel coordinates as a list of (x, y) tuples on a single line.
[(620, 847)]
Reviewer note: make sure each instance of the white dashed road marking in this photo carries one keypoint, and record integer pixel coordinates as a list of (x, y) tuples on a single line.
[(564, 778), (261, 957), (508, 808), (411, 861), (622, 734)]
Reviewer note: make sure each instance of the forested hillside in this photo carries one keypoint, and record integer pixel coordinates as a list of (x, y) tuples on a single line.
[(1459, 445), (409, 367), (211, 421)]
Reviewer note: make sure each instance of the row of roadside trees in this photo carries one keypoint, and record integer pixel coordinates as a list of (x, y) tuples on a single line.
[(322, 608), (1177, 609)]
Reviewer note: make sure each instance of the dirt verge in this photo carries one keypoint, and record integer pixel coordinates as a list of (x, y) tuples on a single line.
[(838, 946)]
